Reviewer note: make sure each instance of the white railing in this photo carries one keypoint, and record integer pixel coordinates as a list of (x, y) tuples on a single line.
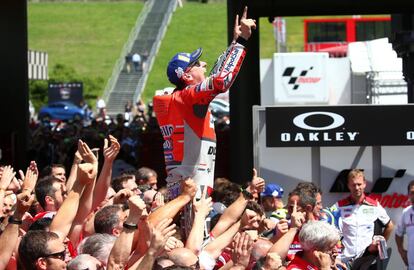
[(125, 50), (154, 50), (386, 87)]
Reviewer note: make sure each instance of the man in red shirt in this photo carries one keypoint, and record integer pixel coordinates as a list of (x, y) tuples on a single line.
[(318, 240)]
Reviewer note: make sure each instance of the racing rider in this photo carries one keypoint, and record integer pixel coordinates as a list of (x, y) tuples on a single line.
[(183, 115)]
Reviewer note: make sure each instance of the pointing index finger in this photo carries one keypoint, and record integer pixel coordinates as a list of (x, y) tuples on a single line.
[(236, 23), (295, 205), (244, 13)]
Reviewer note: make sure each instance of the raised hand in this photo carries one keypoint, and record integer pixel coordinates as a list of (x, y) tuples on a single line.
[(267, 224), (244, 27), (87, 173), (33, 167), (110, 152), (77, 158), (24, 201), (172, 243), (236, 29), (7, 176), (123, 195), (30, 179), (136, 206), (242, 248), (297, 218), (273, 261), (160, 235), (282, 227), (258, 182), (203, 206), (158, 201), (86, 153), (257, 185), (324, 260), (189, 188)]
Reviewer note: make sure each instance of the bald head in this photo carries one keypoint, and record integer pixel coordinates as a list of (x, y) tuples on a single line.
[(261, 247), (84, 261), (182, 257)]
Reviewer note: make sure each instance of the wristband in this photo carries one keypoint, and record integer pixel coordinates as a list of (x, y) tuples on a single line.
[(247, 195), (130, 226), (13, 220), (241, 41)]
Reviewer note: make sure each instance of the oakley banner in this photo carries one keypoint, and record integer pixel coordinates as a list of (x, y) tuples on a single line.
[(366, 125)]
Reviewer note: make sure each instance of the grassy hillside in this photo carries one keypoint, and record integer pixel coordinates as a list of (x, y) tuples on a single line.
[(87, 37)]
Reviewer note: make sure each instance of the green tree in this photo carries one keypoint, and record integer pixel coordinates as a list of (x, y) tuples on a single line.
[(61, 73)]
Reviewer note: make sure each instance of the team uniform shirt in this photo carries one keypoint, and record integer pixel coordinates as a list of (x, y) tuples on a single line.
[(187, 126), (300, 264), (44, 214), (406, 226), (356, 223), (294, 248)]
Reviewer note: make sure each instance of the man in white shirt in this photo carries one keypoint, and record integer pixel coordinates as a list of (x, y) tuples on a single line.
[(406, 226), (100, 105), (136, 60), (359, 218)]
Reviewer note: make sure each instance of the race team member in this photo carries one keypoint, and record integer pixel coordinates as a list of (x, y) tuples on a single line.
[(359, 218), (184, 116), (406, 226)]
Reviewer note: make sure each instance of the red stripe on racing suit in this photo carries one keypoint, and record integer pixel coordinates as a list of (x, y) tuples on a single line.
[(186, 124)]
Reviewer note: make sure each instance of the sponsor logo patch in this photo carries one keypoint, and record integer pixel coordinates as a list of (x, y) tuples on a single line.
[(179, 71)]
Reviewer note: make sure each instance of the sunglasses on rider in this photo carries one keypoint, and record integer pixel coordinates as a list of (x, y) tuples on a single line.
[(194, 64)]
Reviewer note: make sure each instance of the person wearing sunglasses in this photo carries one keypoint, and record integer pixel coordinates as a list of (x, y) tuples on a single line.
[(42, 250), (46, 249)]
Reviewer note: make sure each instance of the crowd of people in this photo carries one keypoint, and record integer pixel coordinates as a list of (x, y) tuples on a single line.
[(89, 220), (137, 131), (107, 212), (56, 141)]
